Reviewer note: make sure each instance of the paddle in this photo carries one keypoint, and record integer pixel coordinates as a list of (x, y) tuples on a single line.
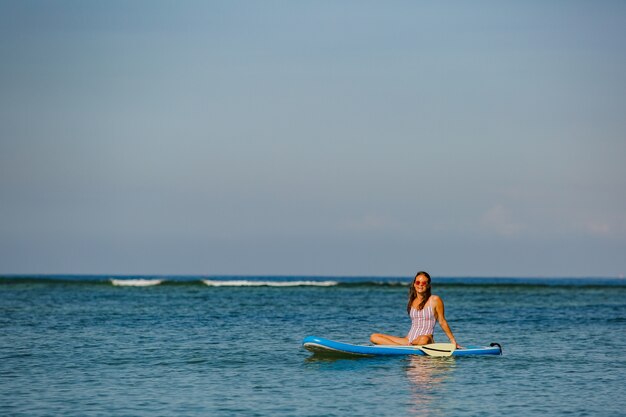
[(437, 349)]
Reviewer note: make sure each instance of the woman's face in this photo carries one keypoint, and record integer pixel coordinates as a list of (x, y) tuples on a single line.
[(420, 283)]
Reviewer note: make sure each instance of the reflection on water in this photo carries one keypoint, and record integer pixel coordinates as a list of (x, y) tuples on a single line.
[(330, 357), (421, 394), (426, 375)]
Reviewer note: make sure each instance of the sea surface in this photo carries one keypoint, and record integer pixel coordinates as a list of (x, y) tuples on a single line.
[(231, 346)]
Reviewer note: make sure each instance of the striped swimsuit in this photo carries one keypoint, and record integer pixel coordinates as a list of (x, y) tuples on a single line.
[(422, 322)]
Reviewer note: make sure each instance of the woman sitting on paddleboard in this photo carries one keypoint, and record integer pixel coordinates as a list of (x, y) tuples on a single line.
[(424, 309)]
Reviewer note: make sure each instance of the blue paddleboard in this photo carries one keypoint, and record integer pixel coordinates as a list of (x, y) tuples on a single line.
[(319, 345)]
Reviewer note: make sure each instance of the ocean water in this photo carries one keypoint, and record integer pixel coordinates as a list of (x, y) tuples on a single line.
[(226, 346)]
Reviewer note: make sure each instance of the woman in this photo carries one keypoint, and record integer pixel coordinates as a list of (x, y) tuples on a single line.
[(424, 309)]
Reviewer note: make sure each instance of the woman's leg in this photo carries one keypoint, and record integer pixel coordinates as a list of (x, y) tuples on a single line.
[(385, 339), (423, 340)]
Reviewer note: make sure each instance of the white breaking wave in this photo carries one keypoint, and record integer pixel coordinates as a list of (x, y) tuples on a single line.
[(246, 283), (136, 282)]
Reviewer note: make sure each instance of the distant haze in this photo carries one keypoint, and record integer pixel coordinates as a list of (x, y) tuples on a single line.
[(313, 138)]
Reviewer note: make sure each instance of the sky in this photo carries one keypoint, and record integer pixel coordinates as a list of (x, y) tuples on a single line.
[(323, 138)]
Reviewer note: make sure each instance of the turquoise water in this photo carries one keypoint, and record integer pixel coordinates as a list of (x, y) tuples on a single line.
[(81, 346)]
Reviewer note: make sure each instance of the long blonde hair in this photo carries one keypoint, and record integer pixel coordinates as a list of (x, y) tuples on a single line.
[(413, 293)]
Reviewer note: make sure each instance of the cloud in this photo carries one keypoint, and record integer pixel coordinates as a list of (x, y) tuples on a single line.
[(368, 223), (499, 219), (614, 227), (598, 228)]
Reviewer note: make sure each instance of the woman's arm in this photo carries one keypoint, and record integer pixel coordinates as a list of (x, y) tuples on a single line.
[(441, 318)]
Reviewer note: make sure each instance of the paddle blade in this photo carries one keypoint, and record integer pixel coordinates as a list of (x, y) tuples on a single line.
[(438, 349)]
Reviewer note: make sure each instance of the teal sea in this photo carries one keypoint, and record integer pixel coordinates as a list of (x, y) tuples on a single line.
[(231, 346)]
